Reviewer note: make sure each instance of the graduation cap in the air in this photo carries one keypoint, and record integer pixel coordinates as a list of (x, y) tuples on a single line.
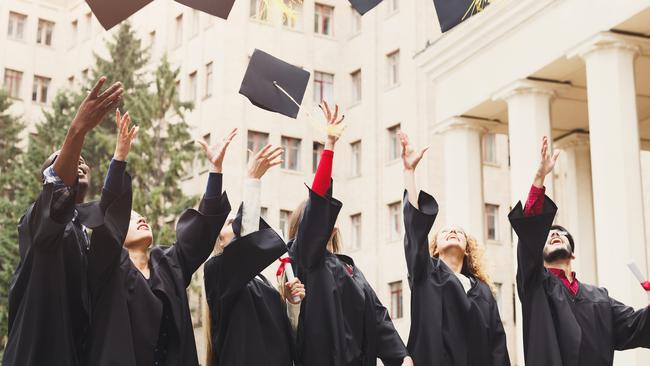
[(112, 12), (453, 12), (218, 8), (274, 85), (364, 6)]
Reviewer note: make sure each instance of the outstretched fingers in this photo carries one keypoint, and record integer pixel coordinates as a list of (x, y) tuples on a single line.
[(98, 86)]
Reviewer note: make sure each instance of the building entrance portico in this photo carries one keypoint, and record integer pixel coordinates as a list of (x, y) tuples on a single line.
[(586, 85)]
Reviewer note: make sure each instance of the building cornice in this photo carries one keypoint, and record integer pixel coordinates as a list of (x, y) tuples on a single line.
[(465, 123), (526, 86), (609, 41), (476, 34)]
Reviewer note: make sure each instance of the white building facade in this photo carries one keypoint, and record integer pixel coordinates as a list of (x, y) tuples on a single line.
[(481, 97)]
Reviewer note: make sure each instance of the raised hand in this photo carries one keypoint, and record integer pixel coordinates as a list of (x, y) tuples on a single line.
[(96, 105), (125, 135), (410, 157), (292, 289), (546, 163), (215, 153), (334, 126), (263, 160)]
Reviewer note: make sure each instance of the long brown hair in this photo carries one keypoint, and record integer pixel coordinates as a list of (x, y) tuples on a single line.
[(473, 261), (335, 241)]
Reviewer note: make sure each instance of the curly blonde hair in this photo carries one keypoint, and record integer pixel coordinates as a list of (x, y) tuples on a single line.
[(473, 263)]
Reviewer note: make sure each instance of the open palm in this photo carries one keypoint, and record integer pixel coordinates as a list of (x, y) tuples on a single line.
[(410, 157), (216, 152)]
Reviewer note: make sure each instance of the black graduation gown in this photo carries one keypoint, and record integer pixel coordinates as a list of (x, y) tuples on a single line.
[(561, 329), (448, 326), (249, 320), (49, 308), (128, 309), (342, 322)]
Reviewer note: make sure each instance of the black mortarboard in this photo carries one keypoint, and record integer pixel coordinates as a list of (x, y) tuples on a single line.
[(112, 12), (268, 80), (218, 8), (453, 12), (364, 6)]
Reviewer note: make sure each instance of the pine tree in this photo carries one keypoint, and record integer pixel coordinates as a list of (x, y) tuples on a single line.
[(162, 154)]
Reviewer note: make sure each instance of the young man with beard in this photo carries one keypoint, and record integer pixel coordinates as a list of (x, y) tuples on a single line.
[(48, 298), (566, 322)]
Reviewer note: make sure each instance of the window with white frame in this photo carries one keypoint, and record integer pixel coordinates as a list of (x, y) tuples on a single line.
[(196, 23), (178, 35), (44, 32), (396, 300), (355, 158), (392, 6), (323, 19), (489, 148), (88, 25), (498, 296), (284, 223), (40, 89), (209, 76), (356, 21), (394, 145), (392, 68), (356, 86), (74, 32), (294, 18), (16, 26), (355, 231), (192, 86), (395, 221), (152, 42), (256, 141), (323, 87), (12, 82), (316, 153), (291, 154), (259, 10), (492, 221)]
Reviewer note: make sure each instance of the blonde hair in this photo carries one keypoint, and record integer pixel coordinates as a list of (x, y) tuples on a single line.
[(473, 261), (335, 242)]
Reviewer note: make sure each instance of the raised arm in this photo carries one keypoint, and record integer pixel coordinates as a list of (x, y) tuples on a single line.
[(532, 224), (90, 114), (321, 210), (54, 207), (197, 230), (420, 211), (114, 208), (258, 165)]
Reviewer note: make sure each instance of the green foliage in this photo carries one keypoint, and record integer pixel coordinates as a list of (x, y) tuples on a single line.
[(159, 159)]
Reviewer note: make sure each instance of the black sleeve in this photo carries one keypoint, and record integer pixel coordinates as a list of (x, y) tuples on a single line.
[(196, 234), (417, 225), (631, 328), (109, 219), (498, 340), (47, 219), (390, 347), (247, 256), (532, 232), (316, 225)]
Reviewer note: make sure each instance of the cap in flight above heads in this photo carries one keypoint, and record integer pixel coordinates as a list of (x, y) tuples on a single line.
[(274, 85), (218, 8), (112, 12), (364, 6)]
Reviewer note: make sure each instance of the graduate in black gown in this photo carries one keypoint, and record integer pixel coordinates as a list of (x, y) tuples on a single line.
[(141, 314), (566, 322), (48, 298), (342, 322), (248, 323), (454, 316)]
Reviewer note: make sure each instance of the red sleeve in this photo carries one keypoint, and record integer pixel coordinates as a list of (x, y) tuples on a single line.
[(323, 173), (535, 201)]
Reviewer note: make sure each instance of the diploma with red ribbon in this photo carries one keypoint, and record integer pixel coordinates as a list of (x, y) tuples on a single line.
[(639, 276), (285, 267)]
